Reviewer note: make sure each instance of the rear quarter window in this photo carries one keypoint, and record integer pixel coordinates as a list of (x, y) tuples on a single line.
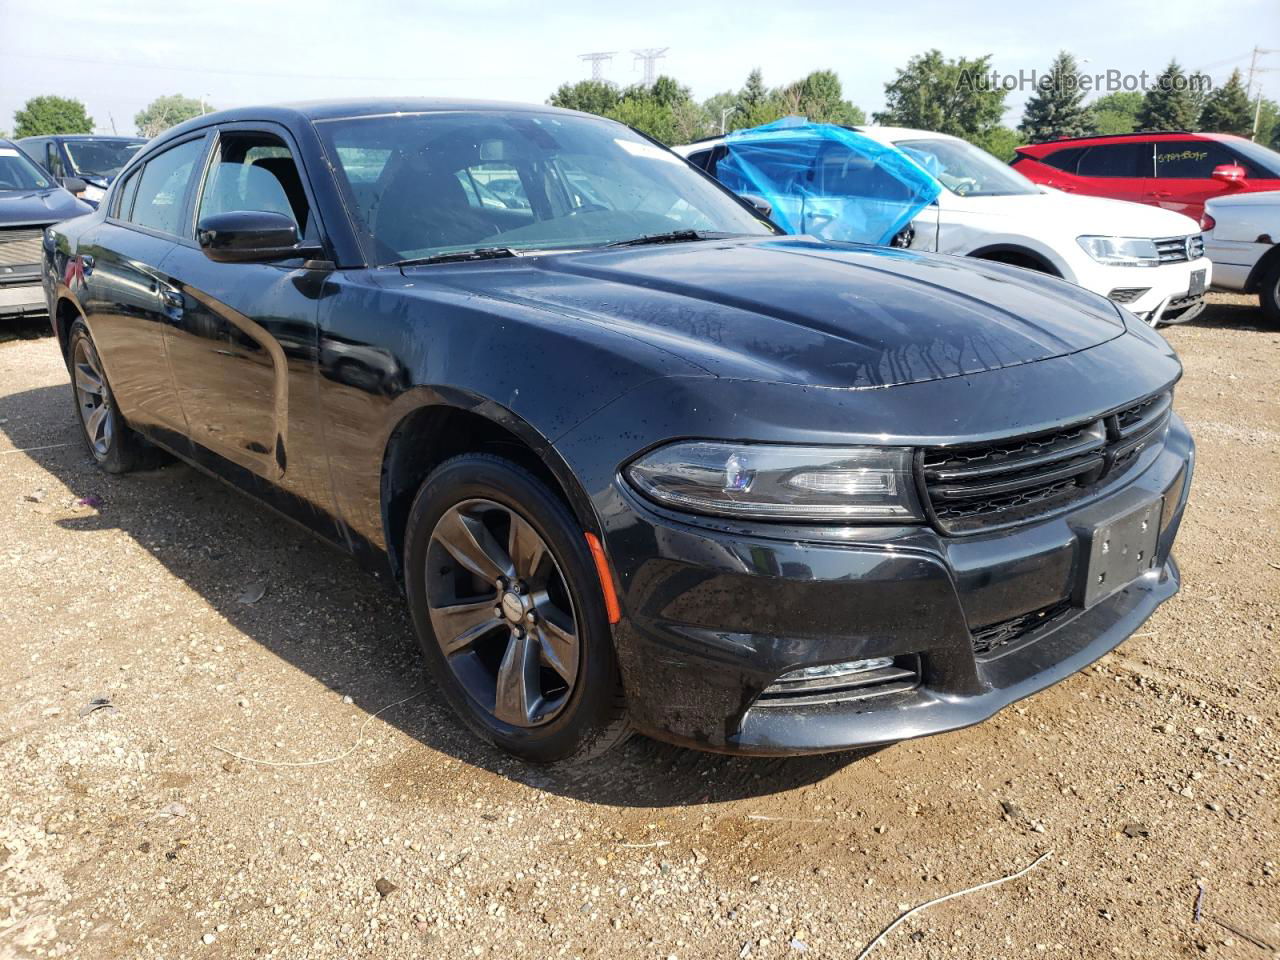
[(1116, 160), (1065, 160)]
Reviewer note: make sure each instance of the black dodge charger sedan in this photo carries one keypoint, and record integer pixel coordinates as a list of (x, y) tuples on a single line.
[(638, 460)]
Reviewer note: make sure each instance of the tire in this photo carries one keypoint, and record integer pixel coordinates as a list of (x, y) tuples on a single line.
[(113, 445), (510, 673), (1269, 295)]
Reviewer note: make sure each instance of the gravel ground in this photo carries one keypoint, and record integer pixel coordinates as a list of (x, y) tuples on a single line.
[(130, 831)]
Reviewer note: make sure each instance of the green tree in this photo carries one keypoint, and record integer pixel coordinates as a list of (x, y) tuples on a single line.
[(819, 98), (1057, 109), (949, 96), (1169, 104), (1227, 109), (1268, 121), (1117, 112), (1001, 141), (41, 116), (165, 112)]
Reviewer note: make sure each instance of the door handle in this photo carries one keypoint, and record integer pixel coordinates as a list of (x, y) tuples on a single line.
[(1162, 194)]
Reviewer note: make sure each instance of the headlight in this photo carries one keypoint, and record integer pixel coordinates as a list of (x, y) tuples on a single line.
[(776, 482), (1121, 251)]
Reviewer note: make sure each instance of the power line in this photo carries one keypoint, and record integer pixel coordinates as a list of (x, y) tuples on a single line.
[(223, 72)]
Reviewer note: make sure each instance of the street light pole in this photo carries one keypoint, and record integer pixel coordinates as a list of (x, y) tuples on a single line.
[(724, 115)]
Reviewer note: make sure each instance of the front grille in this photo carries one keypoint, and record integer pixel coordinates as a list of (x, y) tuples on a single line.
[(20, 246), (1180, 249), (991, 638), (1126, 294), (1010, 481)]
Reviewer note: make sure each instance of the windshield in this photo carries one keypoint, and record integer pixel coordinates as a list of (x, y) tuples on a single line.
[(1265, 158), (19, 173), (429, 184), (101, 158), (965, 170)]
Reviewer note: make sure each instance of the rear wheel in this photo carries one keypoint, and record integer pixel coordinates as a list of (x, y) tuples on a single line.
[(508, 609), (112, 444), (1269, 294)]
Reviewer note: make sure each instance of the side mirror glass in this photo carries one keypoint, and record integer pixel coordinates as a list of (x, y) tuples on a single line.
[(250, 236)]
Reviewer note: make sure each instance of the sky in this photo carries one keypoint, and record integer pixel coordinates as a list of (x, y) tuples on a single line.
[(117, 55)]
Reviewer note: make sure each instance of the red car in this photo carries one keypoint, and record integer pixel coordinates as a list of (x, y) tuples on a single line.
[(1178, 171)]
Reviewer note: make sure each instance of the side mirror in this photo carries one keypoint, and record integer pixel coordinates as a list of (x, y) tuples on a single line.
[(250, 236), (1229, 173), (761, 205), (74, 185)]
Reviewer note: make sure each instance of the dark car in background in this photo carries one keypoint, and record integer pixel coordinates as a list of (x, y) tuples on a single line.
[(1177, 171), (90, 161), (30, 201), (638, 460)]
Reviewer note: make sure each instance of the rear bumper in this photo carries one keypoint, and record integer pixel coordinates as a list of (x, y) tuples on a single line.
[(714, 617)]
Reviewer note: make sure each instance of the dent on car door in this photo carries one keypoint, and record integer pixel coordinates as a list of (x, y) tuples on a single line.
[(120, 273), (242, 339)]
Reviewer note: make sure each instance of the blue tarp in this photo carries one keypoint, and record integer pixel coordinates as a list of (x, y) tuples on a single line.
[(827, 181)]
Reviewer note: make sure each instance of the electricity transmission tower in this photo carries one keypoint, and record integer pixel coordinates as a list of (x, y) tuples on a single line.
[(650, 56), (596, 59)]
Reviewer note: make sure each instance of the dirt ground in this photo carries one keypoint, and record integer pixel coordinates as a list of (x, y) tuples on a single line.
[(130, 831)]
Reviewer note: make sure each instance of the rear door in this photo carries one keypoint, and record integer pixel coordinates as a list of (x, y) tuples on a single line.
[(242, 341), (128, 294), (1121, 171)]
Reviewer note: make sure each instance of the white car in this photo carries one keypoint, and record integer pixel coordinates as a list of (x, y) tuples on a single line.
[(1244, 243), (1149, 260)]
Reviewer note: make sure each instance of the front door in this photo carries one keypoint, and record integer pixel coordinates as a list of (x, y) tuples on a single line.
[(242, 340)]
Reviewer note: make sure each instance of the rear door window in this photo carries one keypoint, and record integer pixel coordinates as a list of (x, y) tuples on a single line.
[(162, 188), (1116, 160)]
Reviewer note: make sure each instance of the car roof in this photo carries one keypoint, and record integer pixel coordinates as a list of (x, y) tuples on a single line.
[(340, 109), (1039, 149), (887, 135), (81, 136)]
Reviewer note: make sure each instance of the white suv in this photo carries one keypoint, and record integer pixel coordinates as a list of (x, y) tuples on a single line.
[(1149, 260)]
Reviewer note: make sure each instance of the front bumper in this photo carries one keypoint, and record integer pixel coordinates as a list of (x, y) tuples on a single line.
[(716, 613), (22, 299), (1166, 289)]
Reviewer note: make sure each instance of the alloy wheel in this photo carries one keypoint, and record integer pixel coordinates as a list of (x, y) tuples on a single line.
[(501, 612), (93, 397)]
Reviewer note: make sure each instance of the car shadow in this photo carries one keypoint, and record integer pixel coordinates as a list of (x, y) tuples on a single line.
[(347, 628), (1230, 316)]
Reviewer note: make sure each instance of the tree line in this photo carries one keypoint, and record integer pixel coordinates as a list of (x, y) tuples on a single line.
[(932, 92), (49, 114)]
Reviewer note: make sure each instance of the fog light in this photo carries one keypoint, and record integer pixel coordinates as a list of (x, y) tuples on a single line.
[(833, 671)]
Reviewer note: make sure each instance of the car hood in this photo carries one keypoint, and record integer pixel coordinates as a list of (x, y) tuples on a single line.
[(1078, 215), (797, 310), (39, 206)]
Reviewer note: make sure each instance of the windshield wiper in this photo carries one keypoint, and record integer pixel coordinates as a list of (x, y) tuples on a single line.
[(675, 236), (476, 253)]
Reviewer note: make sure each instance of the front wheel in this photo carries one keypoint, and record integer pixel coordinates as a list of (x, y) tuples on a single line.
[(509, 612)]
